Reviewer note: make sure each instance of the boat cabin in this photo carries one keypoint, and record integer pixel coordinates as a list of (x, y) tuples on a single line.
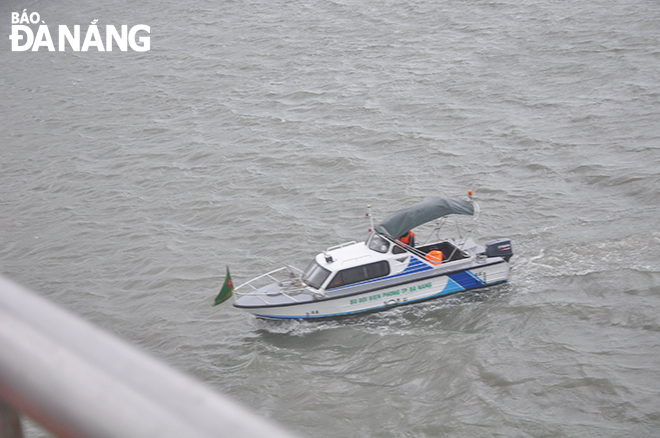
[(378, 257)]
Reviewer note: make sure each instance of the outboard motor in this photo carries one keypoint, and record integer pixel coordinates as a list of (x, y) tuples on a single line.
[(499, 248)]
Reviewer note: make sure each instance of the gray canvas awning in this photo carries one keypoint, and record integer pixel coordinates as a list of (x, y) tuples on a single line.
[(404, 220)]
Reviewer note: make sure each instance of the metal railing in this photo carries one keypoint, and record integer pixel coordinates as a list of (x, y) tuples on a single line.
[(270, 276), (289, 286), (77, 381)]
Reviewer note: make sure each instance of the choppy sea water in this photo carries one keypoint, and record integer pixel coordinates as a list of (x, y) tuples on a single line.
[(254, 134)]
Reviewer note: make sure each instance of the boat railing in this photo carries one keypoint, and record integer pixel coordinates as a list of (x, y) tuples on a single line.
[(342, 245), (269, 277)]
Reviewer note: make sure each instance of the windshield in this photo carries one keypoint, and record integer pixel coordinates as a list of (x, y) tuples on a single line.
[(378, 243), (315, 275)]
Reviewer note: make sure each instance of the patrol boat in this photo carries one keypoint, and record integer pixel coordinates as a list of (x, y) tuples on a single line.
[(382, 272)]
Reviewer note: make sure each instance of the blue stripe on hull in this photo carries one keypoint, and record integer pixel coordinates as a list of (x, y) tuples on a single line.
[(466, 280), (414, 266), (451, 287)]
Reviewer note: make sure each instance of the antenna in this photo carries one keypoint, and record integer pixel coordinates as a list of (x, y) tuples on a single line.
[(371, 219)]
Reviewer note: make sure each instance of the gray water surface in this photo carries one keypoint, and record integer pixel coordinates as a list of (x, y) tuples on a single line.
[(254, 134)]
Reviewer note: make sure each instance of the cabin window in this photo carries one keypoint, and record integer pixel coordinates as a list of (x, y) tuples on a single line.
[(315, 275), (379, 243), (398, 250), (360, 273)]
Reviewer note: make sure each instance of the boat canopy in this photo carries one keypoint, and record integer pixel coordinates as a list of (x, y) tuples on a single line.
[(404, 220)]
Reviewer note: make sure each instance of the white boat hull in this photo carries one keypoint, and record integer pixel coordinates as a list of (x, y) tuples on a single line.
[(375, 300)]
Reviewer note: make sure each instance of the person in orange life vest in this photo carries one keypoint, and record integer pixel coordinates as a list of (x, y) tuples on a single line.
[(408, 239)]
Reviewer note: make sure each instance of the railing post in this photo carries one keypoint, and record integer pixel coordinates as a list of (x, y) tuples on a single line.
[(10, 422), (79, 381)]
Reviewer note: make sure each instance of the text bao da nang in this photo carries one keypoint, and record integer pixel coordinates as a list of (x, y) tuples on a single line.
[(23, 37)]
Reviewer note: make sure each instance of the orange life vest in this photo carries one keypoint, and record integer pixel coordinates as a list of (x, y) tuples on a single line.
[(434, 257), (406, 239)]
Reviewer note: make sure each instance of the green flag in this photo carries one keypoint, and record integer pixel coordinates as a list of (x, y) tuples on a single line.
[(226, 291)]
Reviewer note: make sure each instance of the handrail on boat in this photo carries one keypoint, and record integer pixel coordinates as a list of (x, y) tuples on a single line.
[(269, 275), (288, 294), (341, 245)]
